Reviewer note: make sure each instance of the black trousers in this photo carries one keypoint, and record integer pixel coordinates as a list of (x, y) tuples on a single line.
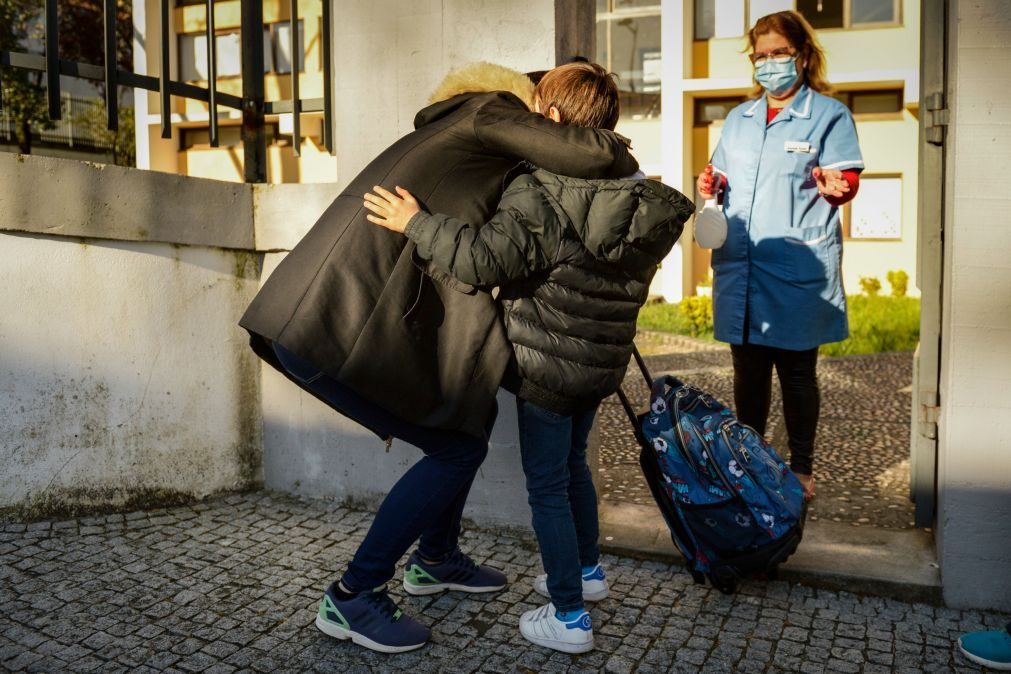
[(798, 379)]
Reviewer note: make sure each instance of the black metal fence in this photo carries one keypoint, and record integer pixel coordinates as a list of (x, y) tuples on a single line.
[(252, 104)]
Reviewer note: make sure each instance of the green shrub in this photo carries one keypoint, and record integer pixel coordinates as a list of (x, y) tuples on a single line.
[(879, 325), (691, 316), (698, 312), (899, 281), (870, 286)]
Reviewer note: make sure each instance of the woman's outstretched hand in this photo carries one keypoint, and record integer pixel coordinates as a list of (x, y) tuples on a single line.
[(391, 211), (830, 183)]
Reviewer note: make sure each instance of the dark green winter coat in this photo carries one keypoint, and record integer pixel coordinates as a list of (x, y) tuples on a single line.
[(574, 260), (352, 299)]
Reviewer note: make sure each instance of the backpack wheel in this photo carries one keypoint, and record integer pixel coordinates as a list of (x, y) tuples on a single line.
[(724, 580)]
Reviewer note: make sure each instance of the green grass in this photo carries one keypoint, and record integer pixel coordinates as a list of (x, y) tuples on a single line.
[(664, 317), (877, 324)]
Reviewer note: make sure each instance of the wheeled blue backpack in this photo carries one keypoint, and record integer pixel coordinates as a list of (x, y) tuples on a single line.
[(733, 507)]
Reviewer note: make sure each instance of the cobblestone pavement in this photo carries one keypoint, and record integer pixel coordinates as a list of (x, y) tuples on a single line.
[(862, 450), (233, 584)]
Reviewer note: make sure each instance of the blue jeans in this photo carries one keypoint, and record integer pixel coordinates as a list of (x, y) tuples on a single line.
[(561, 496), (426, 502)]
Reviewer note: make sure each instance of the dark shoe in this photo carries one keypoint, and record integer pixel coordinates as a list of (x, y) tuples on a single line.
[(370, 619), (458, 572)]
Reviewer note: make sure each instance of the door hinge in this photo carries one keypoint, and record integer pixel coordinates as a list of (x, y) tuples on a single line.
[(930, 413), (937, 119)]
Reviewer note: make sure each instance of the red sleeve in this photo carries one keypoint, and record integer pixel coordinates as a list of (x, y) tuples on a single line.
[(852, 176)]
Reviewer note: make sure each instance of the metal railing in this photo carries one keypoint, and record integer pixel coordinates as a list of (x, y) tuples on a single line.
[(252, 104)]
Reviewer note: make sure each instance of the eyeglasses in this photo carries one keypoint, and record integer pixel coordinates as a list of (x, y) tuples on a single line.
[(776, 56)]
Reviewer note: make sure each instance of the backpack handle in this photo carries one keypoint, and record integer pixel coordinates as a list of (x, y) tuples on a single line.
[(667, 381), (655, 387), (651, 383), (624, 398), (642, 366)]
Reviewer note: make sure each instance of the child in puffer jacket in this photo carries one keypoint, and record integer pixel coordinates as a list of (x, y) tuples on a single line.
[(573, 260)]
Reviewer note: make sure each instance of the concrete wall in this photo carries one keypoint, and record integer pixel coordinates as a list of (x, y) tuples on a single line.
[(123, 375), (389, 56), (974, 447)]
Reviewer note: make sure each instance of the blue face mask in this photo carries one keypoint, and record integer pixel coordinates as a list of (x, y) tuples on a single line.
[(777, 78)]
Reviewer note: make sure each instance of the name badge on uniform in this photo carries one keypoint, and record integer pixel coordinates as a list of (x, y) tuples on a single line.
[(798, 146)]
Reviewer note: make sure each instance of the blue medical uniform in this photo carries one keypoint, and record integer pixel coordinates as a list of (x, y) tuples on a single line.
[(780, 268)]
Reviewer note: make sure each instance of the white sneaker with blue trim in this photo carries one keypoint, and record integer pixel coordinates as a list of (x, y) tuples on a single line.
[(566, 633), (594, 584)]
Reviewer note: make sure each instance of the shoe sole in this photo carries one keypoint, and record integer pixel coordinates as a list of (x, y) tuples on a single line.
[(593, 596), (338, 632), (421, 590), (990, 664), (561, 646)]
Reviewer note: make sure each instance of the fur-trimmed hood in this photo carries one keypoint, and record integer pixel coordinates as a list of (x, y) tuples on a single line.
[(483, 77)]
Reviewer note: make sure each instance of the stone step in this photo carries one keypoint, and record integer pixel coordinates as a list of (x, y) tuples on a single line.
[(901, 564)]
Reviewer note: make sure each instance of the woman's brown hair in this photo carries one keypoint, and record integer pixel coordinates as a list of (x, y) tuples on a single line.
[(585, 94), (801, 36)]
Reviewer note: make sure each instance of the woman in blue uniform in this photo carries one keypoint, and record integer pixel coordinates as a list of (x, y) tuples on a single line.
[(785, 163)]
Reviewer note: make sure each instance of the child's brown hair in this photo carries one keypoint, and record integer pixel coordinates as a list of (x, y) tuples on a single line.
[(584, 94)]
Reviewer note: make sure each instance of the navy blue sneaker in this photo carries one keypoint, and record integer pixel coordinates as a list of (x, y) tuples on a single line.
[(370, 619), (458, 572)]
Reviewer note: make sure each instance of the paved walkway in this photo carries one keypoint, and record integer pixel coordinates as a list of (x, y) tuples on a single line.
[(862, 451), (233, 584)]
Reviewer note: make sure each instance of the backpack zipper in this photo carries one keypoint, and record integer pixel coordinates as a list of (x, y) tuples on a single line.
[(716, 467), (742, 451), (685, 452)]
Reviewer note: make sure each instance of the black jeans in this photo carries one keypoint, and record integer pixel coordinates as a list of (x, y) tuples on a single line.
[(798, 379)]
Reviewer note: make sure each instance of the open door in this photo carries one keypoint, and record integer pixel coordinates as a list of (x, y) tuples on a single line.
[(930, 240)]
